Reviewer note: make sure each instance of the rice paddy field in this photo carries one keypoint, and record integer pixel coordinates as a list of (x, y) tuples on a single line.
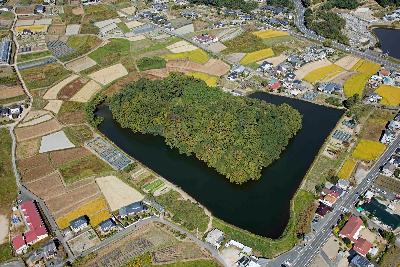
[(270, 34), (347, 169), (390, 95), (208, 79), (323, 74), (257, 56), (96, 210), (368, 150), (356, 83), (198, 55)]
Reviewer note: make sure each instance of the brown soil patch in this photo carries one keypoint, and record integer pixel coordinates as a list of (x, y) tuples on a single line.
[(81, 64), (28, 148), (78, 11), (178, 252), (213, 67), (159, 73), (37, 130), (343, 77), (72, 117), (71, 89), (9, 92), (25, 10), (34, 167), (61, 157), (373, 130), (47, 187), (56, 29)]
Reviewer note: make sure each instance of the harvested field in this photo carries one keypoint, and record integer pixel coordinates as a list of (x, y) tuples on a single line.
[(27, 148), (86, 92), (117, 193), (35, 121), (179, 252), (109, 74), (342, 78), (213, 67), (81, 64), (235, 57), (83, 241), (71, 89), (347, 62), (309, 67), (277, 60), (10, 92), (47, 187), (181, 46), (77, 11), (37, 130), (270, 34), (158, 73), (34, 167), (34, 114), (133, 24), (55, 141), (72, 117), (217, 47), (53, 91), (72, 29), (129, 10), (59, 158), (136, 38), (54, 106), (71, 199), (56, 29)]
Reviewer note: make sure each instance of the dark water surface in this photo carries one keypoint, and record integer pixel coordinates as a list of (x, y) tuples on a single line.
[(390, 40), (262, 206), (380, 211)]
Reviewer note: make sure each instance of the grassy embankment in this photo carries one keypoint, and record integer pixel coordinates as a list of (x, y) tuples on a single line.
[(8, 188)]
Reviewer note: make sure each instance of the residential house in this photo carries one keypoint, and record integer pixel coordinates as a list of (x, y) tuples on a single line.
[(90, 2), (352, 228), (388, 169), (39, 9), (360, 261), (247, 261), (107, 226), (274, 85), (323, 209), (34, 222), (244, 249), (295, 61), (290, 76), (79, 224), (265, 66), (388, 136), (374, 98), (329, 198), (362, 246), (330, 88), (131, 209), (19, 244), (205, 39), (394, 125), (344, 184), (215, 237)]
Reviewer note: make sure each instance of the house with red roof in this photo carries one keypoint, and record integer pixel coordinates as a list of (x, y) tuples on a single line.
[(19, 244), (36, 230), (362, 246), (352, 228), (275, 86)]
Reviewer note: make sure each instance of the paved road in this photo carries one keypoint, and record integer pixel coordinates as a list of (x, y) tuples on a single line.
[(370, 55), (306, 254)]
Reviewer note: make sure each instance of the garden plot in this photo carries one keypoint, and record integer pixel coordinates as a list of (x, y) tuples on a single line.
[(135, 38), (181, 46), (117, 193), (27, 148), (54, 106), (47, 186), (158, 73), (129, 10), (309, 67), (178, 252), (71, 89), (72, 29), (214, 67), (276, 60), (34, 167), (55, 141), (235, 57), (87, 91), (37, 130), (34, 114), (10, 92), (347, 62), (83, 241), (53, 91), (56, 30), (133, 24), (81, 64), (109, 74), (184, 29), (35, 121), (216, 47), (59, 158)]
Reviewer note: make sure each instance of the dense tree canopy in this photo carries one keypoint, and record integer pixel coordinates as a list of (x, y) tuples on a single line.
[(237, 136), (243, 5), (344, 4), (385, 3)]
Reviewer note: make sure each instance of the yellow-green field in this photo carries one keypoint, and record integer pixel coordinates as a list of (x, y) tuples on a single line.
[(390, 95), (257, 56), (323, 74), (198, 55), (96, 210), (368, 150), (355, 84), (367, 67), (270, 34), (347, 169), (209, 79)]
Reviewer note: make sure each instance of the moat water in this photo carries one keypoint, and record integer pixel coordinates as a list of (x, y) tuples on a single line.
[(261, 207), (389, 39)]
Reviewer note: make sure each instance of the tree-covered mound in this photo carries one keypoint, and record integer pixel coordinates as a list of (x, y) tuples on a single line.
[(237, 136)]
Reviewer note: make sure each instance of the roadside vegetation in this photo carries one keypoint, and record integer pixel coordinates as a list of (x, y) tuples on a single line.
[(243, 5), (146, 261), (182, 110), (184, 212), (302, 212), (33, 56)]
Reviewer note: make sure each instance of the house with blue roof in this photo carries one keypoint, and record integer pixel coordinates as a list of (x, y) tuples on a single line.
[(107, 226), (78, 224), (131, 209), (5, 52)]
